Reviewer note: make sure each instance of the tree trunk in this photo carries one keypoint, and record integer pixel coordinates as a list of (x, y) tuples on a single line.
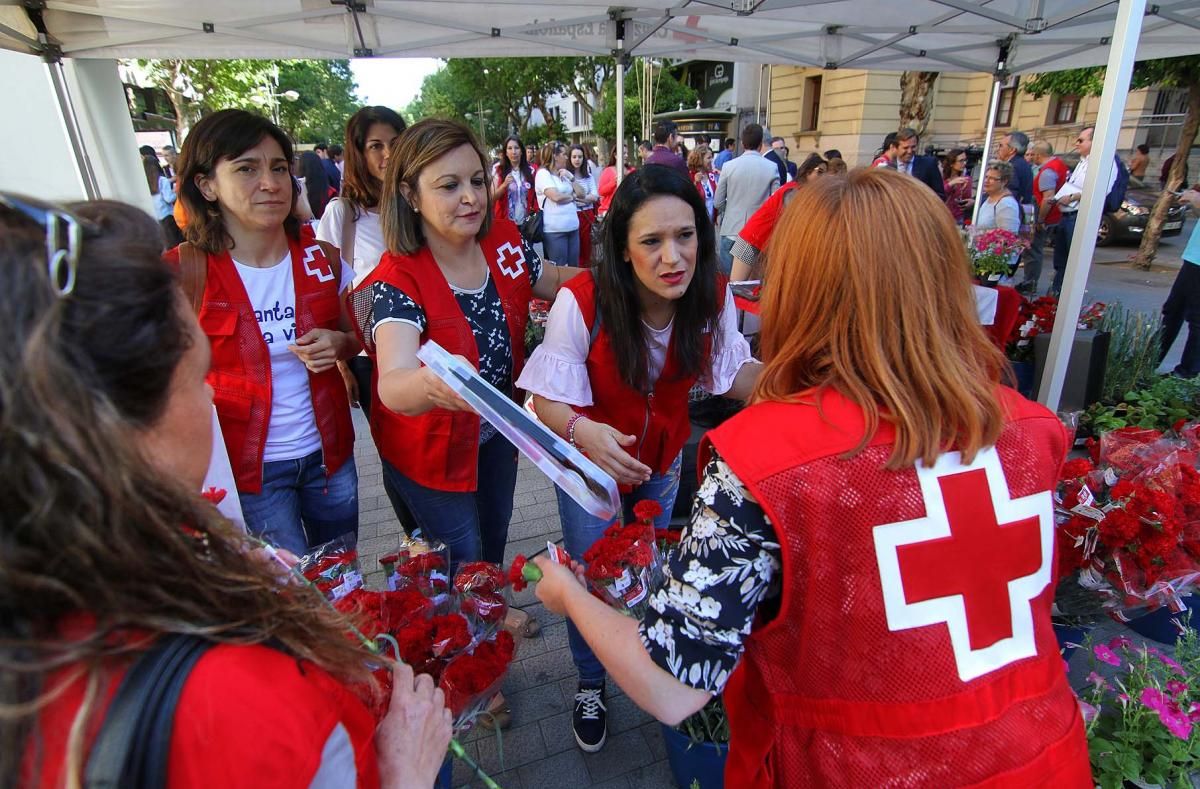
[(178, 102), (1187, 137), (916, 99)]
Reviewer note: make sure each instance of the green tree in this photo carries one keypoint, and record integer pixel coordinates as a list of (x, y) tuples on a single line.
[(327, 99), (1182, 72), (669, 95)]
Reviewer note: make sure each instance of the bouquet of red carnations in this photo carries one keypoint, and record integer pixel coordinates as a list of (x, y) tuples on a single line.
[(479, 593), (624, 566), (1130, 523), (420, 564), (333, 568)]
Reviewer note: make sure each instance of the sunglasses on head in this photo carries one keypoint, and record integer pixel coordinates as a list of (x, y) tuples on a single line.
[(64, 237)]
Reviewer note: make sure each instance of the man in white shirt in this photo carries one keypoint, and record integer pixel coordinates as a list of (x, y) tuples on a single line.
[(745, 183), (1067, 201)]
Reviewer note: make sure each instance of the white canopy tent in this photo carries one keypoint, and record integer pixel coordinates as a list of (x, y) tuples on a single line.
[(991, 36)]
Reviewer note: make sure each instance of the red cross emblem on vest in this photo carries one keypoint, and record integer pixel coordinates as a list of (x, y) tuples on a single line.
[(974, 563), (511, 260), (315, 264)]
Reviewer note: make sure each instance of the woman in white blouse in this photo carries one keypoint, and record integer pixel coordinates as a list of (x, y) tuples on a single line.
[(557, 191), (624, 344), (999, 208)]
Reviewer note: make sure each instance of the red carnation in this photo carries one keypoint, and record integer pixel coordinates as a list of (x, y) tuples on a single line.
[(1077, 468), (479, 576), (521, 573), (647, 510)]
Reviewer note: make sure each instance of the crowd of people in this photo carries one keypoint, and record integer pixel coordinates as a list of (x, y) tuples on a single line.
[(300, 287)]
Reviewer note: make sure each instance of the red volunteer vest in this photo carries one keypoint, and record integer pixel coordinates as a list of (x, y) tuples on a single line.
[(1060, 169), (658, 418), (241, 364), (248, 716), (440, 449), (896, 657)]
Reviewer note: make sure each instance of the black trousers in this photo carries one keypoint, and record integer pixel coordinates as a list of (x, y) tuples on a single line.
[(1182, 304)]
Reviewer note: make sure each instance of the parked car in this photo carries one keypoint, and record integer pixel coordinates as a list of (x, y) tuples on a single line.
[(1129, 222)]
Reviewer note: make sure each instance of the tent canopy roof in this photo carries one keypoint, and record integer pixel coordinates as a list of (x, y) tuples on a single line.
[(928, 35)]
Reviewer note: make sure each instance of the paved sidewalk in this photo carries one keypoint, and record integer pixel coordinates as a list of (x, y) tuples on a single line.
[(539, 750)]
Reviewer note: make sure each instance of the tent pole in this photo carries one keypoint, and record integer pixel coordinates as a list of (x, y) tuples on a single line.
[(1001, 63), (1121, 53), (622, 58), (66, 108)]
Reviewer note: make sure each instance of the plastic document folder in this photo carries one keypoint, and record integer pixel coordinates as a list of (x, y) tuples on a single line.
[(580, 478)]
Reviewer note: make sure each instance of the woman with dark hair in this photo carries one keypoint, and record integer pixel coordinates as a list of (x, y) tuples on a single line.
[(606, 185), (350, 228), (585, 204), (888, 151), (111, 554), (869, 570), (316, 183), (512, 183), (269, 301), (624, 344), (960, 194), (457, 276), (813, 167)]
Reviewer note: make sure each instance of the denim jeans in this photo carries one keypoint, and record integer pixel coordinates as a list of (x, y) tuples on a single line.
[(581, 529), (1182, 304), (473, 525), (562, 248), (1062, 247), (299, 507), (725, 254)]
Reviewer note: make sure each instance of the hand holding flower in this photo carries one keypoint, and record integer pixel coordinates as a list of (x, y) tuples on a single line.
[(557, 584)]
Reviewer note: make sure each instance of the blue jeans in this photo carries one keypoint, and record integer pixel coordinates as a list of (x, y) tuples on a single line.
[(300, 507), (581, 529), (473, 525), (1062, 247), (725, 255), (562, 248)]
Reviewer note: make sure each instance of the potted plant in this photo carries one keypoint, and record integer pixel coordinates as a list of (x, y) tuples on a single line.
[(1141, 707), (696, 749), (993, 252), (1036, 317)]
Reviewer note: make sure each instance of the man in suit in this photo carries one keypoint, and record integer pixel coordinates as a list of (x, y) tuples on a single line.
[(745, 183), (924, 168), (775, 156)]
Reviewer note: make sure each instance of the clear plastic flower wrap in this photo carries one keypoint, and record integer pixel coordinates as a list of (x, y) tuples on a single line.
[(479, 592), (473, 677), (624, 566), (333, 568), (1130, 525), (421, 564)]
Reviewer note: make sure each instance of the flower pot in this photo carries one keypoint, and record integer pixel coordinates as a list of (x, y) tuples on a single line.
[(1069, 639), (703, 762), (1158, 625), (1024, 373), (990, 280)]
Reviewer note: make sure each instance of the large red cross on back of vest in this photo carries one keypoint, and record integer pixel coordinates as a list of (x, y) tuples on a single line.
[(973, 564)]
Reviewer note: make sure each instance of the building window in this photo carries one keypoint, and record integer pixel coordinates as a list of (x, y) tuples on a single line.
[(1063, 110), (1007, 103), (811, 114)]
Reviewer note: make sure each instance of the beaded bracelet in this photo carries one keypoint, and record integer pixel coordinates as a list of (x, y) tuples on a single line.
[(571, 428)]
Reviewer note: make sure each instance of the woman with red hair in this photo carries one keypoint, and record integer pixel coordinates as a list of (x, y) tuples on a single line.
[(868, 573)]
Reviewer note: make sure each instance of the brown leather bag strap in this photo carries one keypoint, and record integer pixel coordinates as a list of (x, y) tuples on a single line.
[(193, 274)]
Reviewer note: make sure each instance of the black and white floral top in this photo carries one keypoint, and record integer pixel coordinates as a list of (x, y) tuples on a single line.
[(725, 567), (484, 313)]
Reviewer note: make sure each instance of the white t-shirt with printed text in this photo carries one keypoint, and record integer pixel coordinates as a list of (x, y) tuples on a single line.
[(292, 430)]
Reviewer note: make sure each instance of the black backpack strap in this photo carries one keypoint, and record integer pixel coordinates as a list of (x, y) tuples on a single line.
[(135, 740)]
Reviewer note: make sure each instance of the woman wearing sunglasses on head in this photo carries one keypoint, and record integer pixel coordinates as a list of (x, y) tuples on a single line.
[(110, 558), (269, 302)]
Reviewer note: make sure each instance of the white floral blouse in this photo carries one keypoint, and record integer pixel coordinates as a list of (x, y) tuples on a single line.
[(726, 565)]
